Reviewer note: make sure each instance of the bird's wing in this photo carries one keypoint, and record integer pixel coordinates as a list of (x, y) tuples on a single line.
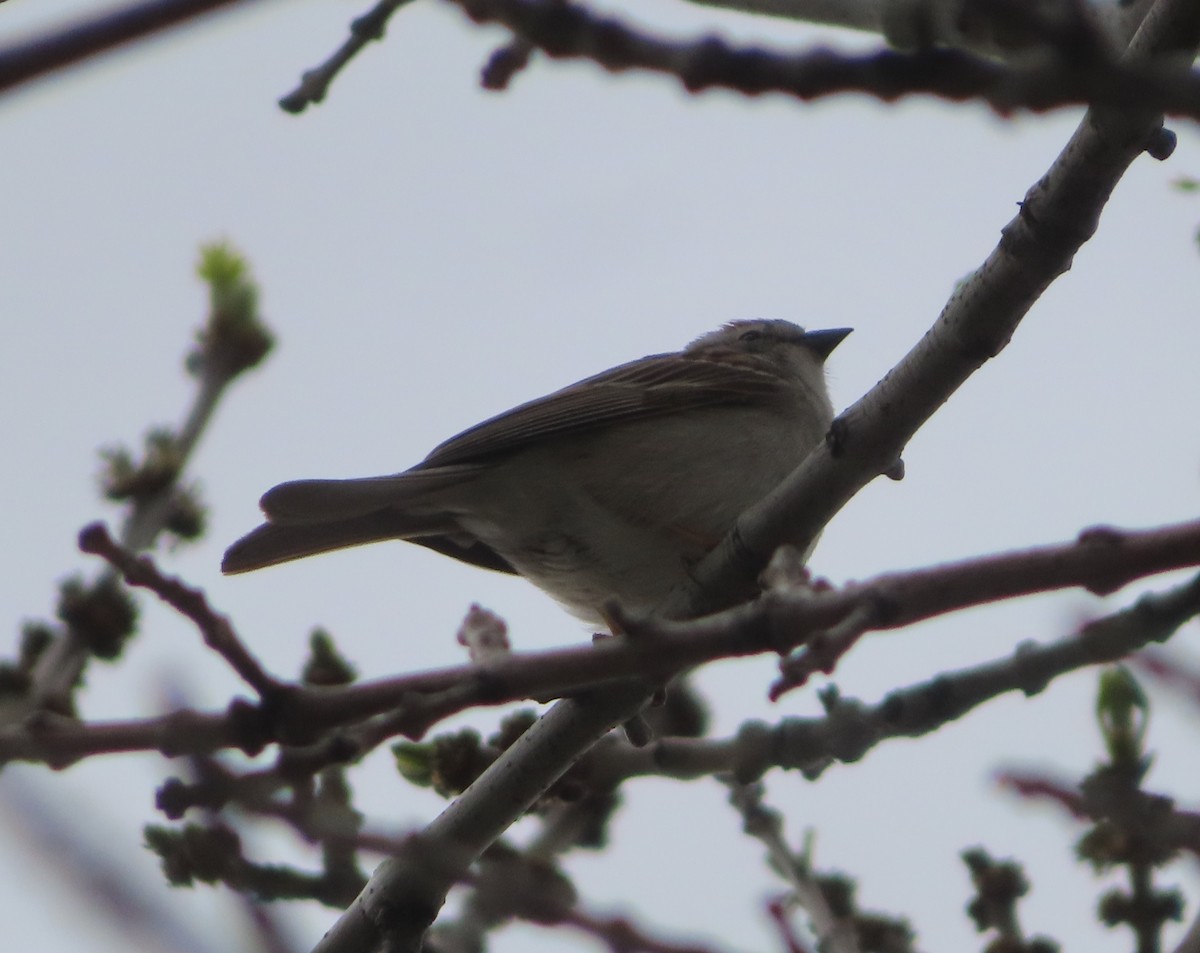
[(653, 386)]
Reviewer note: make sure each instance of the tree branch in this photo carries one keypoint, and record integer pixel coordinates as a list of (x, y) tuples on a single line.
[(1050, 80), (88, 37), (191, 603), (781, 620), (834, 933), (917, 24), (314, 83), (1058, 215), (850, 729)]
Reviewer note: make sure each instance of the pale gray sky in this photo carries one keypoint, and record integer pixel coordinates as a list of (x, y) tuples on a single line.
[(431, 254)]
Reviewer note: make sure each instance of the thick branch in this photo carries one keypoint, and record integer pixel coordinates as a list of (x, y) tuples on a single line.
[(1059, 213), (850, 729), (908, 24), (778, 622), (1050, 80)]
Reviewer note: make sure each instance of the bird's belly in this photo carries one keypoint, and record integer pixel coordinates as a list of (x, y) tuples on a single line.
[(585, 565), (588, 531)]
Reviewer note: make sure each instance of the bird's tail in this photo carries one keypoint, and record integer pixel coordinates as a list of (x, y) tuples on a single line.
[(274, 543), (319, 501), (307, 517)]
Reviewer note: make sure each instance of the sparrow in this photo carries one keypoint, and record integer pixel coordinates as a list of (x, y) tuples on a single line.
[(609, 489)]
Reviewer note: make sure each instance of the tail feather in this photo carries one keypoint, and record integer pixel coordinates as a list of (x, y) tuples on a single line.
[(274, 543), (316, 501)]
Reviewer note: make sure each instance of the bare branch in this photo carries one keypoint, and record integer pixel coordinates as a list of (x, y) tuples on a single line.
[(217, 631), (828, 899), (505, 63), (766, 826), (85, 38), (850, 729), (781, 620), (1191, 940), (1059, 213), (1046, 82), (507, 789), (314, 83), (910, 24)]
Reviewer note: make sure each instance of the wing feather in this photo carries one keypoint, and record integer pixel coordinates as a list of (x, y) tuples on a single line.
[(650, 387)]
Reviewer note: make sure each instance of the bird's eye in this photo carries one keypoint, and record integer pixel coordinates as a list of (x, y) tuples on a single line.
[(750, 336)]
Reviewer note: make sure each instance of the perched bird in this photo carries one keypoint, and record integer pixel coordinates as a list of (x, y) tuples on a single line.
[(610, 488)]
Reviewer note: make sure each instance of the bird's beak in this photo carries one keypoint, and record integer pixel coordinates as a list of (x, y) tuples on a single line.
[(823, 342)]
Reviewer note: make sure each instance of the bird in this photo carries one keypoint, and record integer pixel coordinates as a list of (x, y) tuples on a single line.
[(608, 489)]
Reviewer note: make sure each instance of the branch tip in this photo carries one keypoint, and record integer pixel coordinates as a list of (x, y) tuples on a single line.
[(94, 539)]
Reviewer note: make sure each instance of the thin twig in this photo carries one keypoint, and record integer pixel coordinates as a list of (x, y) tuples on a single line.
[(834, 934), (217, 630), (314, 83), (505, 62), (824, 650)]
